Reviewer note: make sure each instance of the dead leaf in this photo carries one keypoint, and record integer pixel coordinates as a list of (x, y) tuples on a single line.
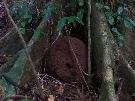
[(51, 98)]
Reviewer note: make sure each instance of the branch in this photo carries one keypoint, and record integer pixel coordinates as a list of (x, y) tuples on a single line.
[(26, 50)]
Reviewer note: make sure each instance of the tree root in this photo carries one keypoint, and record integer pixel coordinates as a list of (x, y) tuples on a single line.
[(121, 67), (12, 37)]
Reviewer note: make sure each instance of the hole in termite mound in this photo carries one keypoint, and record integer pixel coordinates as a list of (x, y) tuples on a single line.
[(68, 65)]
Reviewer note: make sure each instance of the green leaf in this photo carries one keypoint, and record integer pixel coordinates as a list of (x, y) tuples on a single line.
[(71, 19), (32, 1), (30, 19), (71, 3), (53, 9), (22, 30), (80, 16), (32, 11), (47, 14), (79, 20), (120, 43), (107, 7), (116, 31), (133, 94), (61, 23), (47, 4), (16, 4), (26, 100), (110, 18), (36, 33), (27, 16), (43, 33), (125, 8), (99, 5), (127, 24), (85, 9), (120, 10), (121, 37), (132, 22), (20, 13), (23, 24), (118, 17), (24, 8), (80, 2)]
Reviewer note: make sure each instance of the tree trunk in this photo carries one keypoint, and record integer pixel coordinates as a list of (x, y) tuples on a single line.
[(103, 54)]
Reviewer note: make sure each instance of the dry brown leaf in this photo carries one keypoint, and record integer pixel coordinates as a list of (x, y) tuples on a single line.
[(51, 98), (59, 88)]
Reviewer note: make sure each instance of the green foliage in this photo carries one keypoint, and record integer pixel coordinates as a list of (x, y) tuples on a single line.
[(48, 10), (120, 10), (61, 23), (38, 32), (23, 10), (81, 2), (133, 94), (71, 3), (22, 30), (73, 19), (23, 24), (117, 17), (127, 24), (110, 18)]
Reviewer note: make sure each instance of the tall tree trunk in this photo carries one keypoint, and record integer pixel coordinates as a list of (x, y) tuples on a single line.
[(103, 54)]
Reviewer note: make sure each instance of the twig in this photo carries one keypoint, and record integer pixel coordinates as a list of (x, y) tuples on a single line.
[(77, 61), (16, 97), (89, 40), (26, 50)]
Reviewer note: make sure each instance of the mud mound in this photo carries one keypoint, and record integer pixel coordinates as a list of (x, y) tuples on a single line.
[(61, 62)]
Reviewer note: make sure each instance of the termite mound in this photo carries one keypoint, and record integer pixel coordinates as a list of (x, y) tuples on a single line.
[(61, 62)]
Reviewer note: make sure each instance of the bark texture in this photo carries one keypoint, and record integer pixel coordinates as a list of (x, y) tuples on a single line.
[(103, 54)]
